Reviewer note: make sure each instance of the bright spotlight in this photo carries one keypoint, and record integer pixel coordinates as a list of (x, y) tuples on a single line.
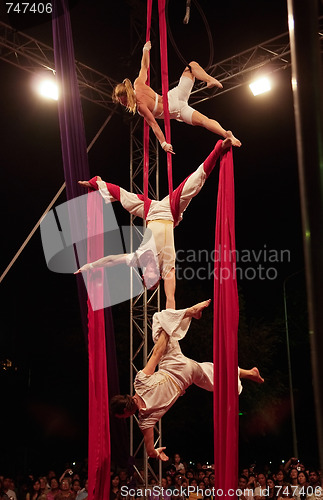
[(260, 86), (48, 89)]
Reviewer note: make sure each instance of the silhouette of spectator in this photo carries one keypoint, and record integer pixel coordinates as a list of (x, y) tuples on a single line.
[(83, 493), (177, 462), (65, 492), (3, 495), (246, 491), (6, 487), (35, 491), (115, 491), (54, 488), (261, 488)]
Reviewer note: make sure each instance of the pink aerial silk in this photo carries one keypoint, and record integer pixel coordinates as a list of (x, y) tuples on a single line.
[(225, 349), (146, 126), (164, 76), (99, 433)]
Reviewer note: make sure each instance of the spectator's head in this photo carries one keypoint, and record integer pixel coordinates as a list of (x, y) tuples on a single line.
[(200, 475), (53, 483), (177, 459), (280, 476), (189, 474), (115, 481), (65, 484), (76, 485), (302, 478), (193, 482), (293, 473), (314, 477), (262, 479), (270, 483), (178, 479), (242, 482), (211, 480), (123, 476), (245, 472), (43, 483)]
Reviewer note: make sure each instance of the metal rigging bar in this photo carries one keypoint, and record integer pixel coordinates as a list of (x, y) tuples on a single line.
[(32, 55)]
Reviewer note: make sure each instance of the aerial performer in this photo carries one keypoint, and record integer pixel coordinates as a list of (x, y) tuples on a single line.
[(156, 254), (157, 391), (142, 98)]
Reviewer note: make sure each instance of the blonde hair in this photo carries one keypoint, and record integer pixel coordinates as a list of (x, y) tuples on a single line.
[(125, 89)]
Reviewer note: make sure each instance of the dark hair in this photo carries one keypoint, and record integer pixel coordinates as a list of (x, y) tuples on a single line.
[(305, 474), (120, 403), (315, 471)]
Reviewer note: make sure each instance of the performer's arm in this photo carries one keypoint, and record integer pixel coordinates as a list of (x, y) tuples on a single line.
[(110, 260), (150, 119), (149, 444), (157, 353), (143, 73)]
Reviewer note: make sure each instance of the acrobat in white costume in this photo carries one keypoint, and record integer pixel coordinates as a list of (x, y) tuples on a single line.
[(162, 216), (157, 391), (176, 372)]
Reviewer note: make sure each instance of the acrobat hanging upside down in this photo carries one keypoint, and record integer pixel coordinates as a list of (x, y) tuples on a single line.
[(156, 255), (157, 391)]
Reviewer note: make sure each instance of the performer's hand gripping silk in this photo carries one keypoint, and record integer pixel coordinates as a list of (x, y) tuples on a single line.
[(142, 98), (156, 255), (157, 391)]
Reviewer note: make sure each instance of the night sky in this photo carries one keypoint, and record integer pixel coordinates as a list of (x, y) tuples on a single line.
[(44, 400)]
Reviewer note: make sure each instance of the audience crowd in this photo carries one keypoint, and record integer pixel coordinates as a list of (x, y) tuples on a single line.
[(180, 481)]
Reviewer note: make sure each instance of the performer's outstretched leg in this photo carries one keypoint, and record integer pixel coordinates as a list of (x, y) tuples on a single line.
[(195, 70), (169, 288), (252, 374), (196, 310), (200, 120)]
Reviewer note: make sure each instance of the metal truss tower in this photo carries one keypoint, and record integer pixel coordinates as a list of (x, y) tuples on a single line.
[(143, 307)]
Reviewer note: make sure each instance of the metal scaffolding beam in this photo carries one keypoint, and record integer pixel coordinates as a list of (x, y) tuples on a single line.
[(31, 55), (142, 308), (270, 56)]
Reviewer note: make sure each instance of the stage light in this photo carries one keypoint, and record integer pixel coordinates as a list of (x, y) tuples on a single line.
[(47, 88), (260, 86)]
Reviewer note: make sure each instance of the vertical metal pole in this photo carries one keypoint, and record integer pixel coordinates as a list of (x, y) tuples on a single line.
[(131, 298), (290, 376), (307, 94)]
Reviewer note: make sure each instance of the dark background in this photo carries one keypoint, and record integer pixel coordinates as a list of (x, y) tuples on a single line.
[(44, 393)]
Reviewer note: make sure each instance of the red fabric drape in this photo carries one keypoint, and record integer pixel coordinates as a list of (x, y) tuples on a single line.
[(225, 349), (146, 126), (164, 76), (99, 434)]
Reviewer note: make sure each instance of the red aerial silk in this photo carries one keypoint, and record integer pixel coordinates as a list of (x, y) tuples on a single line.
[(164, 76), (225, 348), (99, 435), (146, 126)]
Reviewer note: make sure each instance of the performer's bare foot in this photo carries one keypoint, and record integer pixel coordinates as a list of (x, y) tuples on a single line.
[(196, 311), (213, 82), (252, 374), (86, 184), (235, 141), (227, 143)]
